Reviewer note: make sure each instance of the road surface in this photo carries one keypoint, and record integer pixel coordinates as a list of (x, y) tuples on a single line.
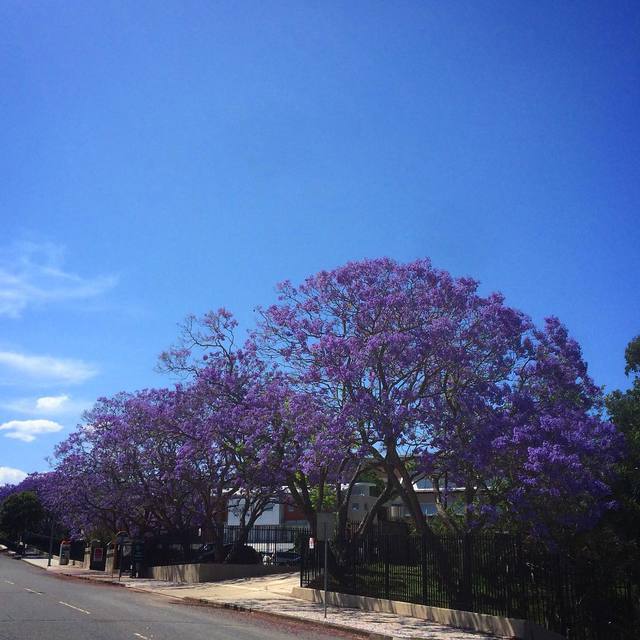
[(36, 605)]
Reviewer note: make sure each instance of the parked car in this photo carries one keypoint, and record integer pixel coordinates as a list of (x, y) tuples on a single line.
[(245, 555), (32, 552), (282, 558)]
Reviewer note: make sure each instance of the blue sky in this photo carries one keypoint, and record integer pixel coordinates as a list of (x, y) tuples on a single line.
[(161, 158)]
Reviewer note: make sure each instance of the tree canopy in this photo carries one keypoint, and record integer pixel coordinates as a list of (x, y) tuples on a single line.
[(20, 512), (624, 410), (397, 370)]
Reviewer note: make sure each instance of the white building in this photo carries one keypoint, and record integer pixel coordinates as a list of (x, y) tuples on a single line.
[(363, 498), (427, 497), (273, 513)]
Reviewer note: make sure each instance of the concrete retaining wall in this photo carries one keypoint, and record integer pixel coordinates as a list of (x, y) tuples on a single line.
[(210, 572), (496, 625)]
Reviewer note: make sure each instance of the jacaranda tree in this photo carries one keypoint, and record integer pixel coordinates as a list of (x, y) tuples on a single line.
[(434, 378), (396, 371), (278, 439)]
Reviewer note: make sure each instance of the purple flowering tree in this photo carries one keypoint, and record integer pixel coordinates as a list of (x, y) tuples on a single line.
[(282, 437), (435, 379), (121, 469)]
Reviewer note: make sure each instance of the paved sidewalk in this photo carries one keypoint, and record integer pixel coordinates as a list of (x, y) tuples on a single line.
[(272, 595)]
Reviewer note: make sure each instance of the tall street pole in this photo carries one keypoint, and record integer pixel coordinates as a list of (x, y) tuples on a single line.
[(326, 576), (50, 544)]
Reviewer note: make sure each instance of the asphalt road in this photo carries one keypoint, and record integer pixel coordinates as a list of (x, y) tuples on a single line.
[(35, 605)]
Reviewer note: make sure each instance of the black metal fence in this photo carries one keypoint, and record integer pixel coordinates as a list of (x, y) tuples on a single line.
[(486, 574), (217, 546)]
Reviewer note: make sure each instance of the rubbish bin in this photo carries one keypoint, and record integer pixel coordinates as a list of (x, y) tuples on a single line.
[(98, 556), (65, 552)]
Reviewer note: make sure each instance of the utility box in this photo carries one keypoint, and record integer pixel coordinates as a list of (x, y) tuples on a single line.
[(65, 552)]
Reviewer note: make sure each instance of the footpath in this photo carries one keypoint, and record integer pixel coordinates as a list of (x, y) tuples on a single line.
[(271, 595)]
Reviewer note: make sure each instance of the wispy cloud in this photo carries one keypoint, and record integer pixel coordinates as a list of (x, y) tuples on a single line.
[(61, 405), (9, 475), (33, 274), (51, 403), (28, 430), (46, 368)]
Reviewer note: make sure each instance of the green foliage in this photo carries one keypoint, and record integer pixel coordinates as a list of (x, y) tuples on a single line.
[(624, 411), (632, 356), (374, 477), (20, 512), (329, 498)]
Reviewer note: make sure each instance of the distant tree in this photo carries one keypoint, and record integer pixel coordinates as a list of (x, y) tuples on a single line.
[(20, 512), (120, 470), (624, 409), (632, 356)]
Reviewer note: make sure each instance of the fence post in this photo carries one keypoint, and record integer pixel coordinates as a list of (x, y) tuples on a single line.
[(467, 572), (386, 567), (304, 549), (423, 568)]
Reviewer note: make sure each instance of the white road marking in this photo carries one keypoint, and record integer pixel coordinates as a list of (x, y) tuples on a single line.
[(66, 604), (32, 591), (139, 635), (9, 582)]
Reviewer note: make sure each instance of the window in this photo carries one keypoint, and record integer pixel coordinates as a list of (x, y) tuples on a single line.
[(424, 483), (355, 506), (428, 509), (269, 506)]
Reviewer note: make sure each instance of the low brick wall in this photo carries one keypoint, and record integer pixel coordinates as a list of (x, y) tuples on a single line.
[(210, 572), (495, 625)]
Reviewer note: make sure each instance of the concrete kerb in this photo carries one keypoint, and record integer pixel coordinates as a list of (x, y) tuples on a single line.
[(203, 602), (499, 626)]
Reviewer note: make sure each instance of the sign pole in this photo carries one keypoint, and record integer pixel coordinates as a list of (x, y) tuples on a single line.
[(326, 577), (120, 563), (50, 544)]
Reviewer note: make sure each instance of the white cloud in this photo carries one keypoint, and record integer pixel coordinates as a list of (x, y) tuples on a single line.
[(27, 430), (32, 274), (62, 405), (9, 475), (51, 403), (46, 368)]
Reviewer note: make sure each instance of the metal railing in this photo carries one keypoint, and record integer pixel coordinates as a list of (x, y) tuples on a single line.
[(494, 574), (218, 545)]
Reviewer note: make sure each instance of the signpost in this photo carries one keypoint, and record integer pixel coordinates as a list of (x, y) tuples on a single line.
[(326, 527), (50, 544)]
